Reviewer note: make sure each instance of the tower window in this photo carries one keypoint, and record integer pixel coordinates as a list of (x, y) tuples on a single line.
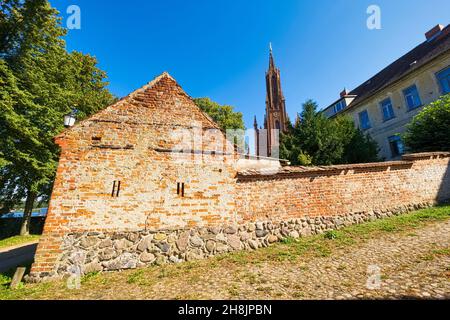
[(277, 125)]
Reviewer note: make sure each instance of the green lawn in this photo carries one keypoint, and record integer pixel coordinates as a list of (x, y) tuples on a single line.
[(290, 250), (18, 240)]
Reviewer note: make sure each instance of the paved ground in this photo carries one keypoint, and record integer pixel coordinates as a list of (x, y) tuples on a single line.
[(16, 256), (411, 264)]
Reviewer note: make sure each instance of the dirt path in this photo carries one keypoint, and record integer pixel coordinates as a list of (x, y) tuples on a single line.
[(414, 264)]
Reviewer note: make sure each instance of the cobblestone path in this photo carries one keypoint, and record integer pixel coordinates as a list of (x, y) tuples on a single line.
[(414, 264), (410, 265), (390, 265)]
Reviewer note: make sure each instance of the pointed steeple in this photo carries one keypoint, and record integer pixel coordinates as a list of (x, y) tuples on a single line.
[(276, 117), (255, 124), (271, 59)]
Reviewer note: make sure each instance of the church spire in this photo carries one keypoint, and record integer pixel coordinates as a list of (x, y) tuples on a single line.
[(271, 59), (275, 120)]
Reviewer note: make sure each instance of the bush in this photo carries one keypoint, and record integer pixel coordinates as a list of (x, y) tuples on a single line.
[(430, 129)]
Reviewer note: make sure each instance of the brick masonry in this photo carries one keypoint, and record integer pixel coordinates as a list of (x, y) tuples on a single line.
[(168, 209)]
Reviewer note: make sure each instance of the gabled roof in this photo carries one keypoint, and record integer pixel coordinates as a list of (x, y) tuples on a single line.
[(136, 96), (411, 61)]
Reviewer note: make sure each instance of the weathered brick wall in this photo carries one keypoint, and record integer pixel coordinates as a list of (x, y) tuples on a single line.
[(89, 228), (338, 190), (130, 142)]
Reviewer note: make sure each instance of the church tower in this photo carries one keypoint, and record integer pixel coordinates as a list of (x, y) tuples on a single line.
[(275, 120)]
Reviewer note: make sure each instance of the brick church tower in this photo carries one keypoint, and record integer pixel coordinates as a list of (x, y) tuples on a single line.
[(275, 120)]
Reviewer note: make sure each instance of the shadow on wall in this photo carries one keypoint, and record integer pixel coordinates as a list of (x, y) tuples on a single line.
[(444, 190)]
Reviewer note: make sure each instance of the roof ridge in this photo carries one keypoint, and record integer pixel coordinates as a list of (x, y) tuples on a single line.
[(150, 84)]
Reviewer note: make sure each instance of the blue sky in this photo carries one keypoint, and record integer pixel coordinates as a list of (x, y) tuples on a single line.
[(219, 48)]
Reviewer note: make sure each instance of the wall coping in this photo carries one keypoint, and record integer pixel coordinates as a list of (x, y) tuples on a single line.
[(426, 155), (293, 171)]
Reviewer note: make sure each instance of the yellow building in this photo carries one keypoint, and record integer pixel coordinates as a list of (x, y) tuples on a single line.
[(383, 105)]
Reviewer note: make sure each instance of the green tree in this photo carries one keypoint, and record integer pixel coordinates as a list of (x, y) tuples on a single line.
[(317, 140), (42, 82), (430, 129), (226, 118), (223, 115), (358, 147)]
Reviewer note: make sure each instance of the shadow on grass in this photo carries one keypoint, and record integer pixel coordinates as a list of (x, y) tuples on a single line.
[(6, 277)]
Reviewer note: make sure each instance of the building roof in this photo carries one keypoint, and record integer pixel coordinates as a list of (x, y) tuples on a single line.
[(411, 61), (140, 97)]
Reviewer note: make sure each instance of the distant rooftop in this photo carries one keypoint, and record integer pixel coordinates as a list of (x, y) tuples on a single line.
[(19, 214), (437, 43)]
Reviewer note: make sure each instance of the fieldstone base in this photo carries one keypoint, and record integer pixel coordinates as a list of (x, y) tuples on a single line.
[(92, 252)]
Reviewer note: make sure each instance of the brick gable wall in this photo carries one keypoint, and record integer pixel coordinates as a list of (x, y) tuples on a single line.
[(128, 142)]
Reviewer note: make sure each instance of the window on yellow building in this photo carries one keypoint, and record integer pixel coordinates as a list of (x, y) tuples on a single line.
[(396, 145), (387, 110), (412, 97), (444, 80), (364, 120)]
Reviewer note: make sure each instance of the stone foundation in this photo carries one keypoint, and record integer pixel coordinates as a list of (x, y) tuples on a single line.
[(89, 252)]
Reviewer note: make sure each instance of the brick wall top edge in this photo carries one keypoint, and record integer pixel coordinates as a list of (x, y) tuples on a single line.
[(292, 171), (296, 171), (426, 155)]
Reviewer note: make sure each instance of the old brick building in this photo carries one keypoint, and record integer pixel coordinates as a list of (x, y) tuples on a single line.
[(134, 187)]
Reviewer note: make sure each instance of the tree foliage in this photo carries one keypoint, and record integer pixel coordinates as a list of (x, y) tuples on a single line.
[(40, 82), (223, 115), (430, 129), (227, 119), (317, 140)]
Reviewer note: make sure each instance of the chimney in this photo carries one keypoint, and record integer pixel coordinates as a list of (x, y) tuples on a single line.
[(433, 33), (344, 93)]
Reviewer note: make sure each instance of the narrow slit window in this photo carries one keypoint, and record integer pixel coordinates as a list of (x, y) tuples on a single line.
[(116, 189), (180, 189), (113, 189)]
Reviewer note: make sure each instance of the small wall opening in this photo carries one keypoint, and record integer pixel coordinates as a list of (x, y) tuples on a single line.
[(116, 189), (180, 189)]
